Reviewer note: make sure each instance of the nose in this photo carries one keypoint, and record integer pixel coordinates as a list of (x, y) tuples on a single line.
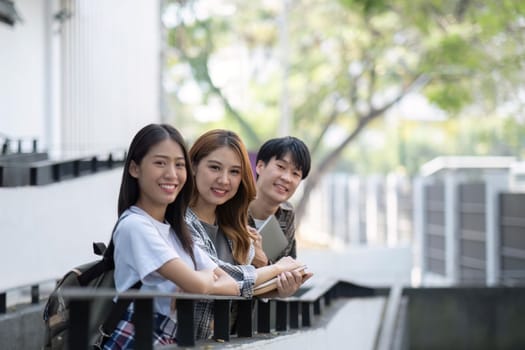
[(223, 177), (171, 171), (286, 176)]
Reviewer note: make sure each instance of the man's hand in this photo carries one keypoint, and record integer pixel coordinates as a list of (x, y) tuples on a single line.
[(289, 282), (260, 259)]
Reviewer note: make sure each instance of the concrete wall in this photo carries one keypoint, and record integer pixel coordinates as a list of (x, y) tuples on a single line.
[(22, 329), (466, 318), (47, 230)]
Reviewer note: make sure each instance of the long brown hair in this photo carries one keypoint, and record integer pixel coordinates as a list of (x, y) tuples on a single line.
[(232, 216)]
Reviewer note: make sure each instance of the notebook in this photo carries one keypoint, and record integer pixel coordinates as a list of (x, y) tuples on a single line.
[(271, 284), (273, 239)]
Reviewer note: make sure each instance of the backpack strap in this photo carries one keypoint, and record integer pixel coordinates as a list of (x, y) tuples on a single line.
[(106, 263), (118, 309)]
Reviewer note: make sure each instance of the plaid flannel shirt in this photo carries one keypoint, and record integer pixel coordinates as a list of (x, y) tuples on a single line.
[(123, 337), (285, 215), (245, 275)]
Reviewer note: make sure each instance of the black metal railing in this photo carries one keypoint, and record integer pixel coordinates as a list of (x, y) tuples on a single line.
[(253, 315), (7, 142), (42, 171), (34, 290)]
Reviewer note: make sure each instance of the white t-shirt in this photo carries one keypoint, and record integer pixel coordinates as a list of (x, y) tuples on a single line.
[(258, 223), (143, 245)]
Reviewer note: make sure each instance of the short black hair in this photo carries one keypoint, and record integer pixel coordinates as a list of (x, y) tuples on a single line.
[(280, 146)]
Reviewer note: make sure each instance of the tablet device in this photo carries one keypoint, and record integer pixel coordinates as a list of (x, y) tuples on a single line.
[(273, 239)]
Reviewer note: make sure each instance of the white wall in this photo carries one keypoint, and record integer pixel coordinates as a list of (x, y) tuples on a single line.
[(47, 230), (22, 71), (110, 73), (84, 85)]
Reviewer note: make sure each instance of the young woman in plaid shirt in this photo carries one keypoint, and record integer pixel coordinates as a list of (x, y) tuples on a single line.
[(218, 219)]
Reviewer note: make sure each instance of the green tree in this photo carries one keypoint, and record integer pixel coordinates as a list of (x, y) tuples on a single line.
[(342, 64)]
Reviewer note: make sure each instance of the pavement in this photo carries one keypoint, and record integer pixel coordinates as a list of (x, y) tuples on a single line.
[(373, 266)]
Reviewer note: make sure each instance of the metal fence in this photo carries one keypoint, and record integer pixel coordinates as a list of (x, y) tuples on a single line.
[(352, 210), (464, 230)]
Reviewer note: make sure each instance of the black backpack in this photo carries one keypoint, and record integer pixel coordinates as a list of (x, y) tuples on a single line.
[(104, 313)]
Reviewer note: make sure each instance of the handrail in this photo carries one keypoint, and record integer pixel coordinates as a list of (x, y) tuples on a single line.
[(388, 326), (291, 313), (43, 172), (5, 147), (143, 307), (34, 288)]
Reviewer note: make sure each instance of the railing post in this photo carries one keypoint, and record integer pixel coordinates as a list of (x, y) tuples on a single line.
[(78, 324), (33, 176), (143, 321), (318, 307), (245, 318), (294, 314), (418, 213), (76, 168), (282, 317), (451, 228), (493, 186), (353, 221), (3, 303), (263, 316), (185, 326), (307, 313), (56, 172), (221, 316), (5, 146), (94, 164), (35, 294), (392, 209), (328, 296), (373, 234)]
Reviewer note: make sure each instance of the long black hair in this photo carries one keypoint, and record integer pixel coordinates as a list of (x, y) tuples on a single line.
[(144, 140)]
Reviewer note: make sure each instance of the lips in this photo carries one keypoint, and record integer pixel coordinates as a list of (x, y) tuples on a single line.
[(219, 191), (281, 188), (169, 188)]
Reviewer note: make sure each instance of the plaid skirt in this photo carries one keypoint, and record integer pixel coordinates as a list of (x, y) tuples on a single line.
[(123, 337)]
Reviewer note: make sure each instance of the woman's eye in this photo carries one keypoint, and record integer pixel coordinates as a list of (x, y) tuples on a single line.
[(236, 172), (180, 165)]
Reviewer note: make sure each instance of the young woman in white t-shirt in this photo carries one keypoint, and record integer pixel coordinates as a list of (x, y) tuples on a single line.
[(152, 242)]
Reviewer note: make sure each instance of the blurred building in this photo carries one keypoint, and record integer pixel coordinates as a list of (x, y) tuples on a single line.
[(78, 76)]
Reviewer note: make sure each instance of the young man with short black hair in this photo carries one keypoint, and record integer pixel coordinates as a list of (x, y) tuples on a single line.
[(281, 164)]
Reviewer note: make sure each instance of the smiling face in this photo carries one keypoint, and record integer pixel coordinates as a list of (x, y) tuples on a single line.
[(278, 179), (161, 175), (217, 177)]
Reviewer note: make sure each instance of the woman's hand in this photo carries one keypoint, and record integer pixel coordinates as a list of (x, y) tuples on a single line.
[(288, 263)]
